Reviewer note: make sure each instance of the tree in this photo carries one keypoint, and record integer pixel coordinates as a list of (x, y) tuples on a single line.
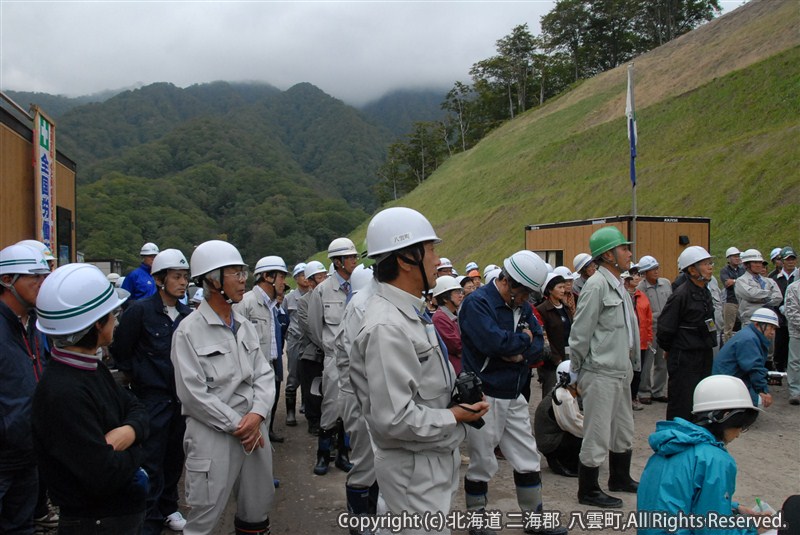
[(517, 50), (458, 102), (565, 28), (660, 21)]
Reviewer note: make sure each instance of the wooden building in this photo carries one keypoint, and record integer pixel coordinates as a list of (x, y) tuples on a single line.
[(662, 237), (17, 184)]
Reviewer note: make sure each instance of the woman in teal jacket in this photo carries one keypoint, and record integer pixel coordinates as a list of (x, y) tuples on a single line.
[(691, 472)]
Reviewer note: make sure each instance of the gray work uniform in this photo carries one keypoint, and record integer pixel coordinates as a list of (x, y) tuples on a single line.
[(602, 343), (293, 335), (653, 381), (220, 376), (325, 311), (254, 307), (404, 383), (791, 309), (361, 455), (752, 296)]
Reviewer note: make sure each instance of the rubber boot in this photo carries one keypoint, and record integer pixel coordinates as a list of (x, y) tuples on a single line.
[(619, 472), (357, 503), (529, 499), (342, 448), (251, 528), (291, 418), (313, 427), (374, 491), (589, 492), (323, 452), (476, 493), (558, 467)]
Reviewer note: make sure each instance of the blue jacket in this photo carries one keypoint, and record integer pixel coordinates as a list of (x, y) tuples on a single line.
[(691, 472), (20, 371), (139, 283), (488, 333), (745, 356), (142, 346)]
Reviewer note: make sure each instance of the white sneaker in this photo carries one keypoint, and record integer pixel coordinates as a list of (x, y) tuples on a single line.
[(175, 521)]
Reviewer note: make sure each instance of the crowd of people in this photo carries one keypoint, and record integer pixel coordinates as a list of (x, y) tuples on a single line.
[(399, 361)]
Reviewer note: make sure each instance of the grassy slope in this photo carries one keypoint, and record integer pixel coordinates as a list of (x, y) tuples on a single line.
[(718, 137)]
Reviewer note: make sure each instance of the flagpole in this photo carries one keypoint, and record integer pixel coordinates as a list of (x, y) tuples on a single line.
[(630, 113)]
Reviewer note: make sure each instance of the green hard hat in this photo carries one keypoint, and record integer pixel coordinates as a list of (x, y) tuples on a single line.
[(605, 239)]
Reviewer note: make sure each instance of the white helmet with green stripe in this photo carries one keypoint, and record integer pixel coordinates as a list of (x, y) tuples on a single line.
[(22, 259), (526, 268), (73, 298)]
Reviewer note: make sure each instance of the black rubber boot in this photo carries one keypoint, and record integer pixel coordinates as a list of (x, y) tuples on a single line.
[(619, 468), (559, 468), (589, 492), (342, 449), (374, 491), (357, 503), (291, 418), (323, 452), (313, 427), (250, 528)]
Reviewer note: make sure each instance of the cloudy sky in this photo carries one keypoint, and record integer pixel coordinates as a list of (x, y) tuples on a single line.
[(355, 51)]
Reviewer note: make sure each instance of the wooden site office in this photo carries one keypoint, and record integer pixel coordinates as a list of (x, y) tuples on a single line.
[(662, 237), (17, 185)]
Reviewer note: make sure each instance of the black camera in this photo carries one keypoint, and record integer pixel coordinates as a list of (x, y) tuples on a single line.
[(467, 391)]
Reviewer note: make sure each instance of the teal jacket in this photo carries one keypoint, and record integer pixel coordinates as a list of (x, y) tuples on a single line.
[(745, 356), (690, 472)]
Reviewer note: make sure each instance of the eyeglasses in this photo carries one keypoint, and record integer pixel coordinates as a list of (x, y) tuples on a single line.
[(240, 275)]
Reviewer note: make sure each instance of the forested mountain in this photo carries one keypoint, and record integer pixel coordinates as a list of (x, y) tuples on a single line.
[(57, 105), (399, 110), (274, 172)]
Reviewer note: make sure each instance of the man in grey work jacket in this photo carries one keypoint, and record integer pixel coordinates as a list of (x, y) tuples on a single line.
[(227, 389), (325, 310), (603, 342), (293, 336), (401, 376), (501, 340)]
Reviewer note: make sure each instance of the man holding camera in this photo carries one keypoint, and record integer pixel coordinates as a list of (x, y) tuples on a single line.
[(501, 340), (400, 374)]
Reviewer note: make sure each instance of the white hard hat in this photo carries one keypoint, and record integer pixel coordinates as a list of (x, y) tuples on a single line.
[(550, 278), (492, 275), (397, 228), (564, 369), (732, 251), (765, 315), (198, 296), (445, 283), (490, 267), (625, 275), (113, 277), (566, 273), (270, 263), (360, 278), (752, 255), (721, 392), (775, 252), (214, 254), (119, 282), (580, 261), (149, 249), (169, 259), (22, 260), (39, 246), (73, 297), (299, 269), (526, 268), (691, 255), (444, 263), (471, 266), (341, 247), (314, 267), (549, 267), (646, 263)]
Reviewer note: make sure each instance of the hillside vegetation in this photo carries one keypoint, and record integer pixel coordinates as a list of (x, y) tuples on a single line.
[(718, 120)]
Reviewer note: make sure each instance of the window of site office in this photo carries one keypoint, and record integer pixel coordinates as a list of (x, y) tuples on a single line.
[(554, 258)]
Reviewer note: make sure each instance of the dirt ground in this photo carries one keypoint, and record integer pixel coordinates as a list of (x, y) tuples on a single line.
[(768, 456)]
